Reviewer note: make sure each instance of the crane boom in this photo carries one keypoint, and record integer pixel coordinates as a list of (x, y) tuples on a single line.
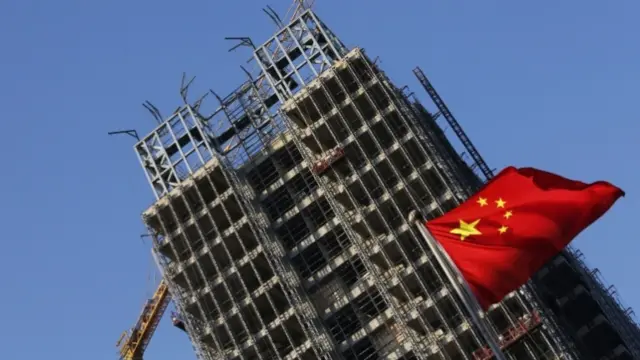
[(133, 343), (453, 123)]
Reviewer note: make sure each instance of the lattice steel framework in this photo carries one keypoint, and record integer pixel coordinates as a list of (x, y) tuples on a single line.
[(280, 216)]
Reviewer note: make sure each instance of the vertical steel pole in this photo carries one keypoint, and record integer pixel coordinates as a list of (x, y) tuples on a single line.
[(462, 289)]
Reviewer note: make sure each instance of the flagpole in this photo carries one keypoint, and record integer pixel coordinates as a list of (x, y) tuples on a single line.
[(461, 288)]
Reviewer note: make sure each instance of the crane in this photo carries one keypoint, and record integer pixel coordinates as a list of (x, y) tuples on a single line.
[(453, 123), (132, 343)]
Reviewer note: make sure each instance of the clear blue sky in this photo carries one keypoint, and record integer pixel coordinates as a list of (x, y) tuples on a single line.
[(551, 86)]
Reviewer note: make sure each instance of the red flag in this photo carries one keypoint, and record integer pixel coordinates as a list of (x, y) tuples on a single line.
[(515, 224)]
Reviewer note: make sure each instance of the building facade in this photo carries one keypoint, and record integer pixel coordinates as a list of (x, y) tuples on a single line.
[(280, 223)]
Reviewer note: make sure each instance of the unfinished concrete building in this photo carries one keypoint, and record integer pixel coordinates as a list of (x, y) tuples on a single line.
[(280, 221)]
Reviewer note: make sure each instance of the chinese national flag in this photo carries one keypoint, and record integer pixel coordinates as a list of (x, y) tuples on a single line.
[(516, 223)]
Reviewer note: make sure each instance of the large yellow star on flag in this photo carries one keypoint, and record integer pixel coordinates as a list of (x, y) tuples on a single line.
[(466, 229)]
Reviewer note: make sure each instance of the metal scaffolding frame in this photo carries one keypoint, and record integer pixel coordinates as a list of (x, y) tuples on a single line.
[(622, 318), (280, 217), (376, 196)]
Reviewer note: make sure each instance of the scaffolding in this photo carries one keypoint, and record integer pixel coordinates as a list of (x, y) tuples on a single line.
[(580, 298), (280, 216)]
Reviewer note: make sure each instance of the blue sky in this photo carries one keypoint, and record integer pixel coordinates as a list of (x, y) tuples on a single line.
[(550, 86)]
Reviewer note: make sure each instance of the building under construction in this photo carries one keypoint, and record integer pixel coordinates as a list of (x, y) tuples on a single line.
[(280, 222)]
